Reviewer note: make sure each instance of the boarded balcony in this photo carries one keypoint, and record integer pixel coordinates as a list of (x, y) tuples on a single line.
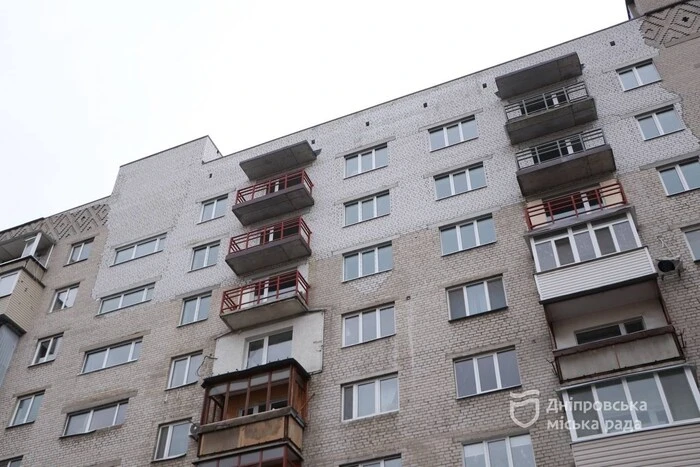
[(269, 246), (549, 112), (279, 161), (274, 197), (20, 292), (276, 456), (537, 76), (272, 299), (567, 160)]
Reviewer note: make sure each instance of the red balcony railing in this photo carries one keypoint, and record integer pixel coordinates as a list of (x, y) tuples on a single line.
[(268, 290), (273, 185), (575, 204), (270, 233)]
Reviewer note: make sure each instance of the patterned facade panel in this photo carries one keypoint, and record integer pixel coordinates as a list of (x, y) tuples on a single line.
[(672, 25)]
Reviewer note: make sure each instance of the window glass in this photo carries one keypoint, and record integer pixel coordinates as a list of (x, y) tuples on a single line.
[(476, 298), (448, 239), (119, 354), (648, 126), (146, 248), (388, 395), (469, 129), (369, 325), (453, 134), (477, 176), (255, 352), (381, 157), (367, 209), (351, 214), (679, 395), (467, 235), (625, 236), (386, 321), (474, 455), (456, 302), (643, 388), (669, 120), (385, 258), (279, 346), (178, 372), (629, 81), (220, 209), (366, 161), (584, 246), (497, 295), (198, 258), (691, 173), (352, 330), (124, 255), (521, 451), (672, 181), (368, 262), (77, 424), (208, 210), (545, 256), (7, 283), (617, 413), (487, 232), (352, 166), (437, 139), (195, 363), (466, 381), (102, 418), (586, 420), (347, 403), (459, 181), (487, 373), (508, 368), (647, 73), (498, 454), (442, 187), (365, 396), (564, 251), (189, 311), (693, 238), (605, 241), (383, 205), (351, 267)]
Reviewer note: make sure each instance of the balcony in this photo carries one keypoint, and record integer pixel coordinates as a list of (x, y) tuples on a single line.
[(278, 161), (276, 456), (272, 299), (567, 160), (20, 291), (273, 197), (549, 112), (537, 76), (254, 407), (269, 246)]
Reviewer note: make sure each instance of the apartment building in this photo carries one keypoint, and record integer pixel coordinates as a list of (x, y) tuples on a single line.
[(501, 270)]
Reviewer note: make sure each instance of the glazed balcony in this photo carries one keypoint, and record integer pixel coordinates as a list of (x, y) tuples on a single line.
[(276, 456), (566, 160), (274, 197), (278, 161), (257, 406), (537, 76), (267, 300), (269, 246), (549, 112), (21, 287)]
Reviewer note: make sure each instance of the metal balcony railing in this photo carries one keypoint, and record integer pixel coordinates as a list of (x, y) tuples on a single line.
[(269, 234), (547, 101), (273, 185), (264, 291), (563, 147), (574, 205)]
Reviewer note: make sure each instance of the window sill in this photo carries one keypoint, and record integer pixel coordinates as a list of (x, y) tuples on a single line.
[(75, 262), (665, 134), (19, 425), (373, 417), (488, 312), (368, 342), (134, 259), (182, 386), (642, 85), (493, 391), (99, 430), (34, 365), (203, 267), (453, 145), (365, 172), (462, 193), (191, 323), (199, 223), (106, 368), (468, 249), (165, 459), (364, 277), (683, 192), (368, 220)]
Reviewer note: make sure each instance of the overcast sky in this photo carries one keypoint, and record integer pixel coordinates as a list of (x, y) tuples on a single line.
[(87, 86)]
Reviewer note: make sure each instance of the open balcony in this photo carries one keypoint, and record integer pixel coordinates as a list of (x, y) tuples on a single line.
[(269, 246), (278, 161), (272, 299), (566, 160), (549, 112), (256, 407), (274, 197), (537, 76)]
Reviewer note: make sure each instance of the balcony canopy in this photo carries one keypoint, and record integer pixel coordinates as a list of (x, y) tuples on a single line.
[(278, 161), (537, 76)]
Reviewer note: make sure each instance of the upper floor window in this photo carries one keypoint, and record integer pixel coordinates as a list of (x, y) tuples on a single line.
[(373, 397), (95, 419), (195, 309), (27, 409), (14, 462), (585, 242), (658, 123), (125, 299), (173, 439), (460, 182), (137, 250), (46, 349), (609, 330), (112, 356), (638, 75), (513, 451), (486, 373), (693, 239), (7, 283), (64, 298), (269, 349), (476, 298), (453, 133), (213, 208), (364, 162), (468, 235), (183, 370), (80, 251), (368, 325), (681, 177), (367, 262), (204, 256), (393, 461), (366, 209)]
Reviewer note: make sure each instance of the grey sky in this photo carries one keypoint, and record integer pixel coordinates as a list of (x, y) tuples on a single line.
[(87, 86)]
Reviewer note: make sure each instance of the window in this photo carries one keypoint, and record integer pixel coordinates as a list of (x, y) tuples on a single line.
[(184, 370), (661, 122), (80, 251), (476, 298), (366, 209), (125, 299), (693, 239), (681, 177), (195, 309), (632, 403), (15, 462), (27, 409), (513, 451), (95, 419), (638, 75), (64, 298), (460, 182), (7, 283), (610, 330), (47, 349), (369, 398), (388, 462), (172, 440), (468, 235), (112, 356), (486, 373), (364, 162), (269, 349), (585, 242), (213, 208), (204, 256), (137, 250), (453, 133), (366, 262), (368, 325)]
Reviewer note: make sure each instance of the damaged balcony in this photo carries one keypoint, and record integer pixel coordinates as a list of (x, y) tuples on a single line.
[(274, 197), (564, 161), (537, 76), (549, 112), (269, 246), (278, 161), (267, 300)]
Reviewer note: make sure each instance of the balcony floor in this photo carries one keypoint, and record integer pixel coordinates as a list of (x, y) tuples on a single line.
[(559, 118), (269, 254), (274, 204), (265, 312)]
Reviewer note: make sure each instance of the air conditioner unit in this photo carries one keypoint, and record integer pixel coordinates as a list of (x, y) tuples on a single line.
[(195, 429), (668, 266)]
